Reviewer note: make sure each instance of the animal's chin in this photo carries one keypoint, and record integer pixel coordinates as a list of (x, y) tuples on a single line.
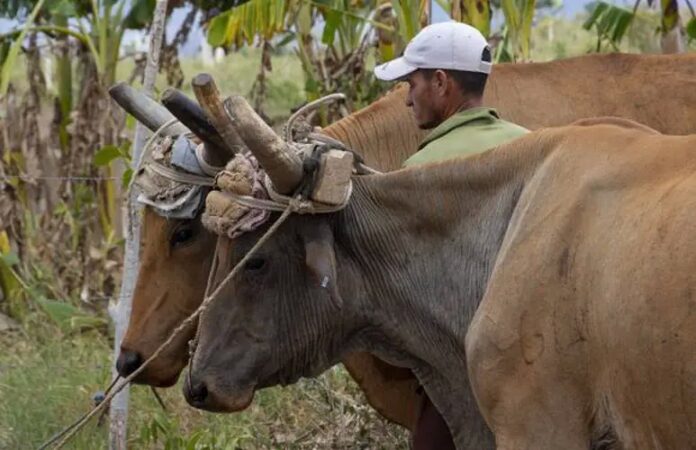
[(278, 379), (229, 404), (242, 402), (158, 379), (158, 383)]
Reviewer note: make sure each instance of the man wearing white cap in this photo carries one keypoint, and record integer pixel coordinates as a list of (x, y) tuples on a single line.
[(446, 66)]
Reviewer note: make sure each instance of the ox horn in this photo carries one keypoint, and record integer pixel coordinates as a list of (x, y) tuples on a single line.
[(216, 152), (208, 95), (144, 109), (283, 166)]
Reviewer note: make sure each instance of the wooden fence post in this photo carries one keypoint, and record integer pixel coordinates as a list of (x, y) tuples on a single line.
[(120, 313)]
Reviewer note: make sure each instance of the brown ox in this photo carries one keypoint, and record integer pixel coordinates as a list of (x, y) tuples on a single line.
[(580, 237), (176, 254), (587, 330)]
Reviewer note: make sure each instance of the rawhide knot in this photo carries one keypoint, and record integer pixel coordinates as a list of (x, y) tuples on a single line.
[(223, 215)]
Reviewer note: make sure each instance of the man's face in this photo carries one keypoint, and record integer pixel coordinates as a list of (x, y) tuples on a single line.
[(423, 97)]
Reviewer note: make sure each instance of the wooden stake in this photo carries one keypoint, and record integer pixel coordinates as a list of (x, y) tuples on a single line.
[(120, 312)]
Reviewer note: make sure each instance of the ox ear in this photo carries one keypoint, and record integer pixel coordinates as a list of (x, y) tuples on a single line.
[(320, 258)]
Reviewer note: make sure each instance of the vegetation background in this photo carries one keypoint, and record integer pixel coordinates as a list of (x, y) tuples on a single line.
[(64, 150)]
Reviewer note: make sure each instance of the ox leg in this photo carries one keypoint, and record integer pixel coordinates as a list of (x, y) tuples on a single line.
[(527, 403), (431, 432), (389, 390)]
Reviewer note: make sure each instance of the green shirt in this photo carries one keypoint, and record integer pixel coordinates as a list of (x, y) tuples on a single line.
[(464, 134)]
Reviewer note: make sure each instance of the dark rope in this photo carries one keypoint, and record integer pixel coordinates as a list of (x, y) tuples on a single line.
[(159, 399)]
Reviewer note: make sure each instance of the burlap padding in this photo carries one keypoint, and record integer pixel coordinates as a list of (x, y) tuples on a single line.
[(222, 216), (168, 198), (155, 186)]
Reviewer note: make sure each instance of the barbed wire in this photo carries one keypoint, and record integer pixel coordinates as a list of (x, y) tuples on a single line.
[(35, 178), (104, 298)]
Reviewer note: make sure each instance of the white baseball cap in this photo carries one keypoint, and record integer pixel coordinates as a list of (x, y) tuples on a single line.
[(445, 45)]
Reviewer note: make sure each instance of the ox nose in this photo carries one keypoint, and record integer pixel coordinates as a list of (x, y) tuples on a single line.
[(128, 362), (196, 393)]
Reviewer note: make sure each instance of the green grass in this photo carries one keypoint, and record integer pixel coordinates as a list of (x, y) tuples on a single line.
[(48, 379)]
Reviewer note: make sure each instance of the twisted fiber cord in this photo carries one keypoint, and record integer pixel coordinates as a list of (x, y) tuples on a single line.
[(146, 149), (74, 428), (61, 433), (306, 109), (279, 202), (360, 166), (193, 343), (180, 177)]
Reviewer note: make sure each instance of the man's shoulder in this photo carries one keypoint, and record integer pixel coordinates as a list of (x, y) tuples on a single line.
[(467, 140), (511, 128), (492, 128)]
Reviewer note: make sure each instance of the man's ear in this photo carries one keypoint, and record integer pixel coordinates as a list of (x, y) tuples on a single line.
[(320, 258), (440, 82)]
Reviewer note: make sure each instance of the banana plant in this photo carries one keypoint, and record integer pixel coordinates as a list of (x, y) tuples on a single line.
[(409, 14), (519, 15), (9, 49), (97, 25), (244, 23), (474, 12), (332, 62), (612, 22)]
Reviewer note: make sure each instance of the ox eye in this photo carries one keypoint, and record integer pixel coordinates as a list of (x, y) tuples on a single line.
[(181, 236), (254, 264)]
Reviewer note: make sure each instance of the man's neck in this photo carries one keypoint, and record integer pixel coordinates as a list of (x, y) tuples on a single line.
[(462, 105)]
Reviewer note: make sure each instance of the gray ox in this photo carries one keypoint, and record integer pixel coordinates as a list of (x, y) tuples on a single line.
[(408, 262)]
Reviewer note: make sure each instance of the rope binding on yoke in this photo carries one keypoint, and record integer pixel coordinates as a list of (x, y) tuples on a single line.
[(245, 196)]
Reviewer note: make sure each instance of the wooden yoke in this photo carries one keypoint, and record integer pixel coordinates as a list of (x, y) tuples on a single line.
[(332, 181)]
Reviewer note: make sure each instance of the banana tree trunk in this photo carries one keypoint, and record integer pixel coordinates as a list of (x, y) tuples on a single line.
[(672, 38), (64, 79), (122, 310)]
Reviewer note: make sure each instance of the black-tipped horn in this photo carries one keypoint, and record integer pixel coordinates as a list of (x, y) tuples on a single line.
[(190, 114), (283, 167)]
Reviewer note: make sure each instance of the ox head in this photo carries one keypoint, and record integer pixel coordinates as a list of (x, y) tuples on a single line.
[(176, 256), (278, 318)]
